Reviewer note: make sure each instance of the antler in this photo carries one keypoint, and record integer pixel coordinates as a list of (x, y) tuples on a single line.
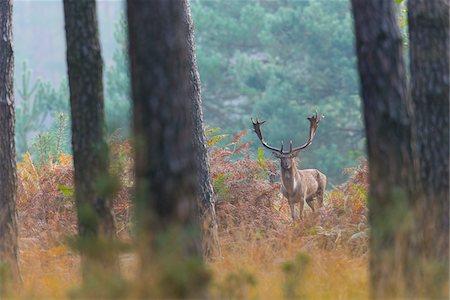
[(257, 128), (314, 123), (314, 120)]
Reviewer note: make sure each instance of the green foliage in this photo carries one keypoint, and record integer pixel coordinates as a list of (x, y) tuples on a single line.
[(278, 60), (47, 146), (402, 17), (219, 185), (101, 275), (172, 268), (38, 105), (88, 218), (236, 285), (108, 186), (41, 104), (394, 219), (281, 61), (261, 159), (67, 191), (42, 146), (361, 192), (27, 107), (212, 138), (294, 271), (6, 282), (180, 280), (117, 100)]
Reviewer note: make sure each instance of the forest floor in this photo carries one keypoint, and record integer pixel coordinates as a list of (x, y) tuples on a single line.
[(264, 255)]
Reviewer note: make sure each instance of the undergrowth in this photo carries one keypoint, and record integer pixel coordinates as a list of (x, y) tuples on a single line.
[(264, 255)]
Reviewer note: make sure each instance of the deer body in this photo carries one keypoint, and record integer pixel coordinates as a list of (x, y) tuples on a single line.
[(298, 186)]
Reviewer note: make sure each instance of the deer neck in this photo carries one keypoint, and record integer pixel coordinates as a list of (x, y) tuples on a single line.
[(290, 178)]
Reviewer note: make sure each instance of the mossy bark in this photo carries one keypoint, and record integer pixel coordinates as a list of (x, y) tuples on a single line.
[(93, 186), (388, 124), (428, 24), (165, 159)]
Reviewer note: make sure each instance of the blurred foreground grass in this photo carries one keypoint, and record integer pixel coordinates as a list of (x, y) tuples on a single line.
[(252, 271)]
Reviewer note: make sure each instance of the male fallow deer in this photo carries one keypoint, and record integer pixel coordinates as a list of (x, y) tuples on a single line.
[(297, 185)]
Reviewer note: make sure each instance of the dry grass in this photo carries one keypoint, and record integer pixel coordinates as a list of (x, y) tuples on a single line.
[(47, 273), (330, 275), (264, 254), (259, 240)]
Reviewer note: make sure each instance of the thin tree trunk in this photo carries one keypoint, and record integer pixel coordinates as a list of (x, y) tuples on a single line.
[(8, 185), (165, 161), (428, 23), (206, 200), (388, 123), (92, 184)]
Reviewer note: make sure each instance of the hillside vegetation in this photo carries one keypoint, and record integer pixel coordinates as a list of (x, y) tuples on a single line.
[(263, 254)]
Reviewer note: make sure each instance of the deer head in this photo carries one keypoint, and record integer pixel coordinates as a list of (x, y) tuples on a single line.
[(287, 157)]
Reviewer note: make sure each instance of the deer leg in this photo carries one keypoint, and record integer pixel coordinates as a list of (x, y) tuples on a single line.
[(320, 198), (322, 179), (310, 202), (302, 204), (291, 205)]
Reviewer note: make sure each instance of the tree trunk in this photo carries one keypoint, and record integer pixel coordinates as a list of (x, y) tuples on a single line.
[(8, 186), (428, 23), (92, 184), (387, 114), (206, 200), (165, 160)]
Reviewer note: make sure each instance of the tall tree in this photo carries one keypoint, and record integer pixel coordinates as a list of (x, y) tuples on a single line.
[(165, 160), (8, 186), (428, 23), (92, 184), (206, 200), (388, 123)]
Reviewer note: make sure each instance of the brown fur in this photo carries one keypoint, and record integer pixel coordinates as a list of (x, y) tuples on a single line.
[(299, 186)]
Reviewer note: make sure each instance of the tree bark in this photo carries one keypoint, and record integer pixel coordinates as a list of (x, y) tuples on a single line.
[(388, 123), (8, 179), (428, 23), (165, 160), (206, 199), (92, 184)]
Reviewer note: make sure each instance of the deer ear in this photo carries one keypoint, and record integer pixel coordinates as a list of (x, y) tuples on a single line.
[(294, 153), (277, 154)]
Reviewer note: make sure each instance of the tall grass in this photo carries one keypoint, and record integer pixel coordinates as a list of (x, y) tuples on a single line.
[(264, 255)]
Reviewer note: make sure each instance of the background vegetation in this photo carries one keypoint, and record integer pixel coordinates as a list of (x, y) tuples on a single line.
[(263, 254), (277, 60)]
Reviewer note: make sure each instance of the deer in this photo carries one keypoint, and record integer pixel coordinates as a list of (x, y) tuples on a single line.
[(298, 186)]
